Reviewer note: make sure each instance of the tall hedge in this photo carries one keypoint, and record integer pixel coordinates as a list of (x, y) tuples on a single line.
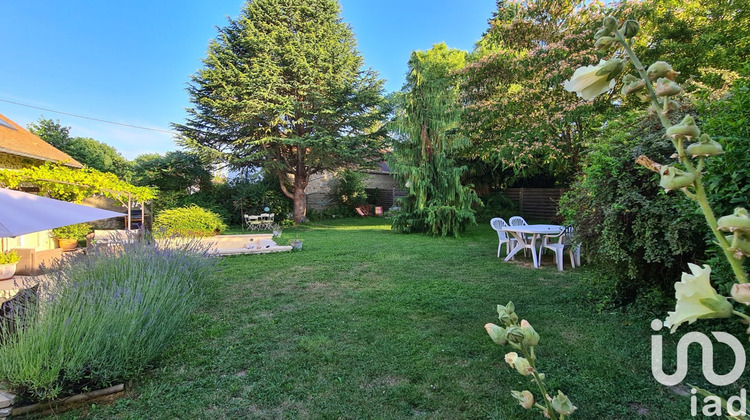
[(638, 237)]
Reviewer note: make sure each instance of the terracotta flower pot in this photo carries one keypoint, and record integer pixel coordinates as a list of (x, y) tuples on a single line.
[(67, 244), (7, 270)]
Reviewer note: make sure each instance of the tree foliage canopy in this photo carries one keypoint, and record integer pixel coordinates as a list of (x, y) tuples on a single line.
[(173, 171), (90, 152), (282, 89), (517, 114)]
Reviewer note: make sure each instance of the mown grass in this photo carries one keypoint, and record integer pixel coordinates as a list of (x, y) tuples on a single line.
[(367, 323)]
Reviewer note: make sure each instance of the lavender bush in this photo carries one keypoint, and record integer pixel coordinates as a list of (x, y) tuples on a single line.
[(101, 317)]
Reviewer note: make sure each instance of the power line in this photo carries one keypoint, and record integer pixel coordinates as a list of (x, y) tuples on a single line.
[(88, 118)]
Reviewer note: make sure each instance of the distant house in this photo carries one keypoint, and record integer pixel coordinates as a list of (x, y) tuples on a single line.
[(21, 149), (381, 187)]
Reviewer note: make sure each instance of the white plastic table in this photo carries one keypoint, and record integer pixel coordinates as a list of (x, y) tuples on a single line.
[(522, 241)]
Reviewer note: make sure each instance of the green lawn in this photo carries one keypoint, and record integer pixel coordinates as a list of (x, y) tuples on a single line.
[(367, 323)]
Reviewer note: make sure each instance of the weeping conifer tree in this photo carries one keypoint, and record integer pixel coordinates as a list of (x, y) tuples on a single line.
[(428, 115)]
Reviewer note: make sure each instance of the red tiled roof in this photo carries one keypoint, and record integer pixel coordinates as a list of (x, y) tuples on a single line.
[(20, 142)]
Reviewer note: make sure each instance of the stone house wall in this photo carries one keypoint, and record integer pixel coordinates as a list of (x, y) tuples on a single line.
[(320, 187)]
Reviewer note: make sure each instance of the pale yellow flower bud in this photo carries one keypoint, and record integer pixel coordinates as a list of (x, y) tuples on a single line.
[(497, 334), (530, 337), (741, 293), (686, 128), (510, 358), (525, 398), (609, 23), (604, 43), (704, 147), (674, 179), (661, 69), (523, 366), (739, 220), (515, 335), (666, 87), (631, 84), (603, 32), (562, 404), (630, 28)]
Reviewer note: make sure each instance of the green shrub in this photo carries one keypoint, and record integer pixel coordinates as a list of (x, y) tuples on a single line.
[(102, 318), (496, 205), (350, 188), (727, 178), (188, 221), (71, 231), (287, 223), (9, 257), (638, 237)]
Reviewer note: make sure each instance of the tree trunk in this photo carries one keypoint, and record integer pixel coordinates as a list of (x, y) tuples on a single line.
[(300, 199)]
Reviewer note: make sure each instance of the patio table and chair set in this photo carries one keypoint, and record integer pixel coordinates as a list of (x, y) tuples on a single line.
[(517, 235), (263, 221)]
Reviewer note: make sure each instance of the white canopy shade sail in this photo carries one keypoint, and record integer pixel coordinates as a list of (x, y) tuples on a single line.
[(22, 213)]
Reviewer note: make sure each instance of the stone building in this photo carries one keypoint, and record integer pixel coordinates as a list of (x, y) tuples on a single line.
[(382, 189)]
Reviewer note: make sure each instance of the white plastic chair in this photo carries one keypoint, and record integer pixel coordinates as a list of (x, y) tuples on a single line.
[(502, 236), (519, 221), (564, 243)]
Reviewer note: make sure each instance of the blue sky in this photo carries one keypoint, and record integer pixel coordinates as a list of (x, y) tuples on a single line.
[(129, 62)]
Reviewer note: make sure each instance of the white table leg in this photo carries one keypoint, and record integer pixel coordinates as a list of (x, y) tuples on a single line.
[(533, 251), (519, 246), (514, 251)]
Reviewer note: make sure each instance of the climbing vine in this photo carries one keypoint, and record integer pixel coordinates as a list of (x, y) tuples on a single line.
[(63, 183)]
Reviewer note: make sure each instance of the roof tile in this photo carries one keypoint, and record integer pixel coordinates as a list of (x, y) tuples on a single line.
[(19, 141)]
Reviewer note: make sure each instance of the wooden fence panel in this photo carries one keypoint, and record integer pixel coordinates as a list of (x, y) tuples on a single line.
[(536, 203)]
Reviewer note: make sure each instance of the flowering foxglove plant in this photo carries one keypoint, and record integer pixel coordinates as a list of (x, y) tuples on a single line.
[(522, 337), (696, 298)]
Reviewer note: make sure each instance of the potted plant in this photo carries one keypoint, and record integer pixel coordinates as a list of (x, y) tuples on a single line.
[(276, 229), (68, 236), (296, 244), (8, 262)]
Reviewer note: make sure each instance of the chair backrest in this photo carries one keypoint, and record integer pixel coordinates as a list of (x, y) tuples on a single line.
[(264, 216), (517, 221), (498, 223), (567, 236)]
